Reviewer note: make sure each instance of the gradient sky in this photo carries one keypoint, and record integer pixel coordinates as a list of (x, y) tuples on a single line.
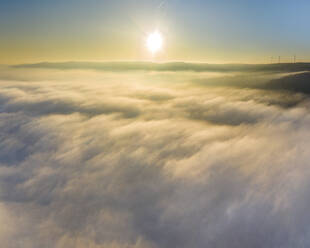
[(197, 30)]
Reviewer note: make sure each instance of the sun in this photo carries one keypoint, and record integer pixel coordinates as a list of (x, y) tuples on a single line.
[(154, 42)]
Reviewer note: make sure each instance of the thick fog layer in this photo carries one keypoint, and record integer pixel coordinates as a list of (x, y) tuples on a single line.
[(153, 159)]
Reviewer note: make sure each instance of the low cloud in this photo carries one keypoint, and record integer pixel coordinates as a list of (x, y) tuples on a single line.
[(152, 159)]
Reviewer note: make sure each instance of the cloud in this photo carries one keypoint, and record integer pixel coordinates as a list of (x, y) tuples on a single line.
[(151, 159), (298, 83)]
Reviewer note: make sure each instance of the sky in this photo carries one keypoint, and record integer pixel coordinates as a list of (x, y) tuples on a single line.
[(102, 148), (198, 31)]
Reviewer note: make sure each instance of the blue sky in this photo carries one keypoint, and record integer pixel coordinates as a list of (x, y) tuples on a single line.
[(210, 31)]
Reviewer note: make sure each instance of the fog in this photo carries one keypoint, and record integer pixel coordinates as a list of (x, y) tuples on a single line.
[(153, 158)]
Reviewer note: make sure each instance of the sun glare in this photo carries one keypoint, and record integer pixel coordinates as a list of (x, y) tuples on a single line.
[(154, 42)]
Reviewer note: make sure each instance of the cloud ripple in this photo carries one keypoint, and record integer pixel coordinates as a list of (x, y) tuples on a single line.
[(151, 159)]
